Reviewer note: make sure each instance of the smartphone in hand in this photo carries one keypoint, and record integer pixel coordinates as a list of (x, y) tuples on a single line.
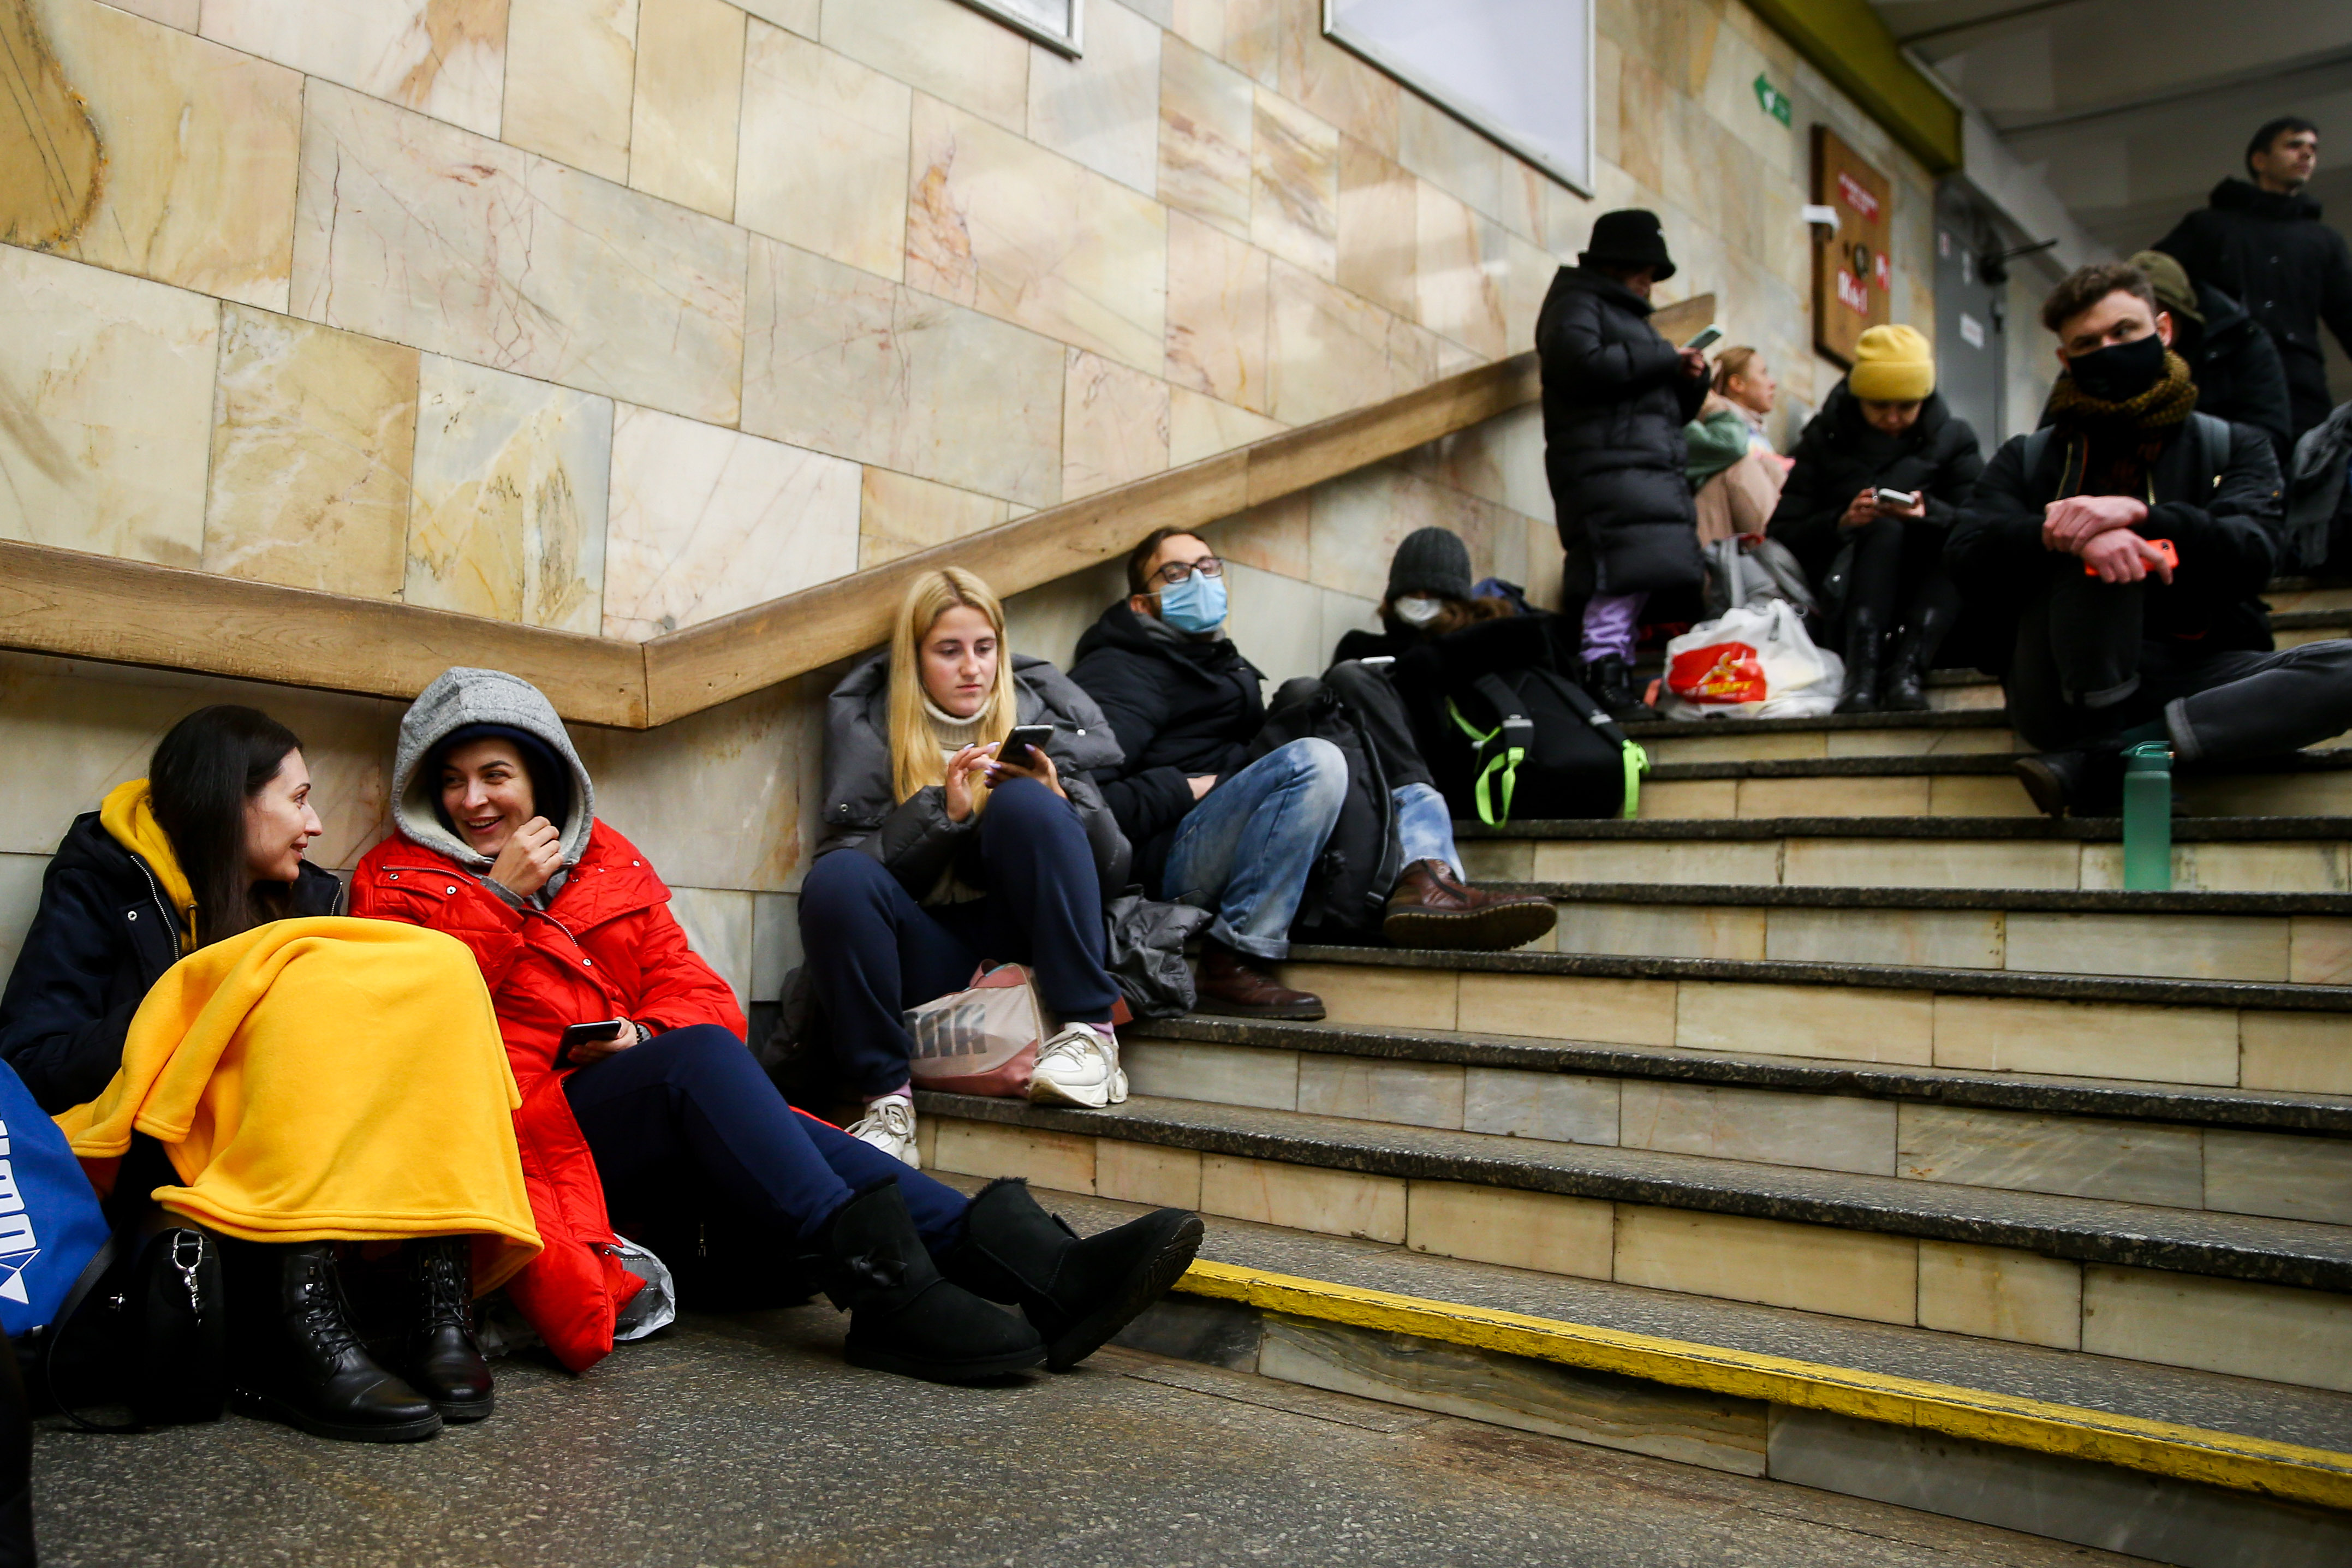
[(1708, 337), (584, 1033), (1905, 499), (1023, 739)]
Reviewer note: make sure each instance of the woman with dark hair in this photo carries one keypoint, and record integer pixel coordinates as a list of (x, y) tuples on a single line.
[(639, 1098), (191, 1007)]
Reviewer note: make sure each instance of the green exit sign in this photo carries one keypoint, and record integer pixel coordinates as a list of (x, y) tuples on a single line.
[(1772, 100)]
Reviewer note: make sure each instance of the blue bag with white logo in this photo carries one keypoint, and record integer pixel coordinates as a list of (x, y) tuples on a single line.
[(50, 1227)]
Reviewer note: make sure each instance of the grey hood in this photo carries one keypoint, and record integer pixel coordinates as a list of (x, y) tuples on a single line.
[(458, 698)]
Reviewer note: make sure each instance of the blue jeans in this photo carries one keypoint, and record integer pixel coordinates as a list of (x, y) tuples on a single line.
[(873, 952), (1425, 826), (689, 1116), (1246, 849)]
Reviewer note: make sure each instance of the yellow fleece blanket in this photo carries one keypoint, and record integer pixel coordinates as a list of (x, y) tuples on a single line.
[(326, 1079)]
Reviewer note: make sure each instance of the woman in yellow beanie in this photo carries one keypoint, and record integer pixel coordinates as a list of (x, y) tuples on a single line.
[(1877, 564)]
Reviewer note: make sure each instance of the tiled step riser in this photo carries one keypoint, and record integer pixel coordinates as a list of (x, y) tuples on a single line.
[(2271, 949), (2296, 636), (1811, 744), (2305, 1052), (2254, 866), (2279, 1176), (1948, 795), (2066, 1499), (2318, 794), (2289, 601), (2278, 1333), (1821, 745)]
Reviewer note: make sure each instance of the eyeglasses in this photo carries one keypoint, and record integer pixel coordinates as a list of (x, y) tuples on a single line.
[(1176, 572)]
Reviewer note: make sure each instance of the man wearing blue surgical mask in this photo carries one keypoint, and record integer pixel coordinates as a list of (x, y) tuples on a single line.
[(2126, 546), (1210, 826)]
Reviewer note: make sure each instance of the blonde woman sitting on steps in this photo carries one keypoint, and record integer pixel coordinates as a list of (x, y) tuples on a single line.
[(939, 853)]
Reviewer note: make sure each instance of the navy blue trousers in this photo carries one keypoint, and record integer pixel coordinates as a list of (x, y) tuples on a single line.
[(688, 1114), (873, 952)]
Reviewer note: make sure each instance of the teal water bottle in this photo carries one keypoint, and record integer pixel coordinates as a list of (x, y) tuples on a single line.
[(2147, 818)]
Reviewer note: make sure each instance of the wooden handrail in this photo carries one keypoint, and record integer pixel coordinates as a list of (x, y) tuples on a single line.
[(77, 605)]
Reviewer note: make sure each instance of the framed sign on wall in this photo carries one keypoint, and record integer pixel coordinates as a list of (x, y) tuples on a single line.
[(1853, 275), (1056, 24), (1519, 71)]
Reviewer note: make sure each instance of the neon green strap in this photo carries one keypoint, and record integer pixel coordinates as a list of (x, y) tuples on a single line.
[(1505, 763), (1637, 763)]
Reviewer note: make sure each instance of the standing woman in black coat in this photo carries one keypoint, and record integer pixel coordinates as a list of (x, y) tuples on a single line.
[(1616, 396), (1883, 428)]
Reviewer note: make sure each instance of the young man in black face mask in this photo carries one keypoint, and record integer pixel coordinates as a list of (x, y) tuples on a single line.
[(2113, 644)]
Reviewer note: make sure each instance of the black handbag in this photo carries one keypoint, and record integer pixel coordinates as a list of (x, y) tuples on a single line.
[(154, 1309)]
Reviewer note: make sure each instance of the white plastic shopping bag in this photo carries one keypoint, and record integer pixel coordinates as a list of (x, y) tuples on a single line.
[(1752, 661)]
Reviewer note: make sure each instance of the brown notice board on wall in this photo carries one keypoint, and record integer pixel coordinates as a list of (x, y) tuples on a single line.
[(1854, 277)]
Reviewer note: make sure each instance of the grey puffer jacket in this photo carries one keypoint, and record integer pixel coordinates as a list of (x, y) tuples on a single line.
[(914, 836)]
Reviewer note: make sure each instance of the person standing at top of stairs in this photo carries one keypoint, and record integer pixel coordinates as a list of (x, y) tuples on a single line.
[(2118, 642), (1616, 396), (1210, 826)]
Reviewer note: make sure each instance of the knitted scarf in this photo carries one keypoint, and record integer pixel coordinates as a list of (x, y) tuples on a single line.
[(2113, 446)]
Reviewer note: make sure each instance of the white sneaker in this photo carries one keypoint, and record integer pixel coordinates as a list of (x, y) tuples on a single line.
[(889, 1125), (1079, 1066)]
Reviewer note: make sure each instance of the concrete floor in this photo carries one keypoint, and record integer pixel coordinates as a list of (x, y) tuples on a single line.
[(746, 1440)]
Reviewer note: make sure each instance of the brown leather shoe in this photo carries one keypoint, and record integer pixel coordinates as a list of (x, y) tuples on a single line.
[(1227, 985), (1432, 908)]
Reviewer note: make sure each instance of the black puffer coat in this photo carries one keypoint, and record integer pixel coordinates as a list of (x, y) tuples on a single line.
[(2289, 271), (2239, 374), (1840, 452), (914, 836), (1180, 708), (1614, 404), (102, 936)]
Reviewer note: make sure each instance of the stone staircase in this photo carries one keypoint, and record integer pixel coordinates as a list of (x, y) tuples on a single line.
[(1853, 1129)]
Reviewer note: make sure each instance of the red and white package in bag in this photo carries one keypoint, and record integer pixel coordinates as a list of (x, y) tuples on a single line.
[(982, 1039), (1753, 662)]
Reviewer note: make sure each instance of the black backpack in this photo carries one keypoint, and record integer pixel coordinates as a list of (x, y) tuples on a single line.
[(1347, 892), (1530, 745)]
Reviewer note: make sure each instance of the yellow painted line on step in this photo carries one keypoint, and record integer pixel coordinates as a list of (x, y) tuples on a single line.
[(2159, 1448)]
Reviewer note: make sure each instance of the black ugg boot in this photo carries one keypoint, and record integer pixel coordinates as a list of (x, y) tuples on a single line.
[(1077, 1293), (1860, 693), (300, 1361), (1611, 682), (443, 1359), (904, 1317)]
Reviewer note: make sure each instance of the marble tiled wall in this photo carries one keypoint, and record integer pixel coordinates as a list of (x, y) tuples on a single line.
[(615, 315)]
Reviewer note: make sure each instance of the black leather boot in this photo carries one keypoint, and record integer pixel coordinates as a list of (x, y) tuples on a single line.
[(2088, 782), (1611, 685), (1915, 653), (904, 1317), (302, 1363), (442, 1358), (1860, 693), (1076, 1293)]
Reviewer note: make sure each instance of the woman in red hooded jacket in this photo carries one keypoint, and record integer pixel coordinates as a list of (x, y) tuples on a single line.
[(498, 846)]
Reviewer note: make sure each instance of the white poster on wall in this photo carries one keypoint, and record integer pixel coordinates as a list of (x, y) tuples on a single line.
[(1518, 70)]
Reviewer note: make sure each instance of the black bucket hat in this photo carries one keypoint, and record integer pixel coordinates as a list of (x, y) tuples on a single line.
[(1629, 238)]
